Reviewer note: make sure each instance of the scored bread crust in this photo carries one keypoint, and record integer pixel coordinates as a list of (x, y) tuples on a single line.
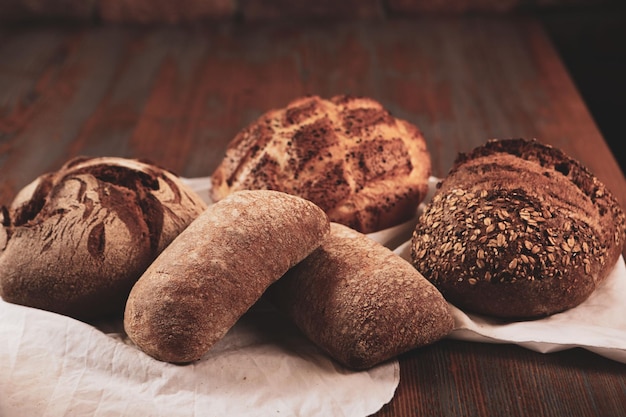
[(518, 230), (78, 238), (365, 168)]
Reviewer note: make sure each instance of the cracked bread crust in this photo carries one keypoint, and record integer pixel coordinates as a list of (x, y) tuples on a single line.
[(365, 168), (77, 239), (518, 230)]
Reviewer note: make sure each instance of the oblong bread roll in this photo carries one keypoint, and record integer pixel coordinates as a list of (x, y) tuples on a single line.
[(360, 302), (216, 269)]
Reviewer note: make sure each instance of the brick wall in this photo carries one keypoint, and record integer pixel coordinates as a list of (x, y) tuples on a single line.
[(180, 11)]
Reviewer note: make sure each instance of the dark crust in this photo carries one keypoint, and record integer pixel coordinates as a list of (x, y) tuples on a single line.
[(32, 208), (546, 156), (357, 122), (373, 161), (310, 141), (78, 267), (518, 230), (137, 186), (329, 189)]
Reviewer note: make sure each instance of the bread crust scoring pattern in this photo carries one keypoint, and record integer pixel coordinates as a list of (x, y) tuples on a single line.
[(78, 238), (518, 230), (365, 168)]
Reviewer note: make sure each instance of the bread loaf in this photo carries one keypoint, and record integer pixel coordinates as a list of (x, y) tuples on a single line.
[(518, 230), (215, 270), (350, 156), (77, 239), (360, 302)]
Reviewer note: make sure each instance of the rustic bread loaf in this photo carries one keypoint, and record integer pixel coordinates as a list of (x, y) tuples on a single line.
[(79, 238), (518, 230), (362, 166), (360, 302), (215, 270)]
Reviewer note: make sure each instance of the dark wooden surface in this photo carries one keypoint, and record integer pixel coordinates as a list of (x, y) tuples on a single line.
[(176, 96)]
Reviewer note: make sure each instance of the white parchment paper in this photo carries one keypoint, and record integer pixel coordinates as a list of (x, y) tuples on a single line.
[(52, 366)]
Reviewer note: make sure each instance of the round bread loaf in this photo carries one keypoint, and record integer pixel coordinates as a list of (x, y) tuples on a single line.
[(79, 238), (518, 230), (365, 168)]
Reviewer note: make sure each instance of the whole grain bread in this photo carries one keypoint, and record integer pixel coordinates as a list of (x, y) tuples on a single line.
[(518, 230), (350, 156), (216, 269), (360, 302), (76, 240)]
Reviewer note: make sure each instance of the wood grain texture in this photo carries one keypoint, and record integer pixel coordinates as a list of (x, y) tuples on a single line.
[(165, 11), (193, 11), (158, 93), (320, 9), (453, 378), (38, 10), (176, 96)]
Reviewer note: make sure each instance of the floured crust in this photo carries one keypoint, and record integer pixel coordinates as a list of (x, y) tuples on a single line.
[(518, 230), (362, 166), (78, 238), (216, 269), (360, 302)]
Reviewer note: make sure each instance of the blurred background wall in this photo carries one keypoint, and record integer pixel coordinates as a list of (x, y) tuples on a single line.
[(590, 35), (177, 11)]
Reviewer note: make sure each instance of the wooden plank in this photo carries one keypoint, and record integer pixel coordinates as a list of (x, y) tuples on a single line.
[(178, 95), (157, 92), (320, 9), (453, 378), (29, 10), (164, 11), (44, 111)]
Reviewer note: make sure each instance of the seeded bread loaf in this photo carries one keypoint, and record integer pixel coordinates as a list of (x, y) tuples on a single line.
[(77, 239), (360, 302), (362, 166), (518, 230), (216, 269)]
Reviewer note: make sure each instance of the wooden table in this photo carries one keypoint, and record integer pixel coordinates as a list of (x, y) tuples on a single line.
[(176, 96)]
